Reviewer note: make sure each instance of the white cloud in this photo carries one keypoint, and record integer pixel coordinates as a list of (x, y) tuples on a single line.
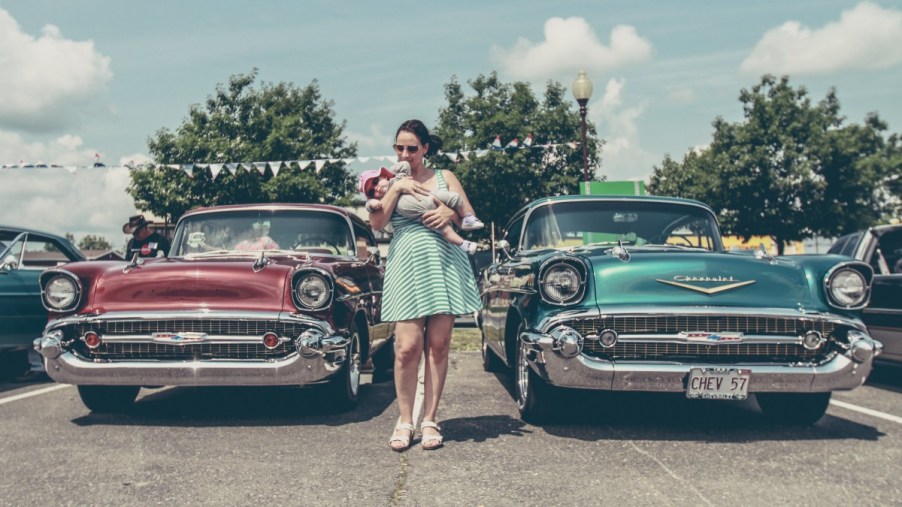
[(45, 79), (623, 157), (865, 37), (89, 201), (571, 44)]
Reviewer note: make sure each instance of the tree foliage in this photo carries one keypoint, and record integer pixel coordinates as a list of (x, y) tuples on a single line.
[(92, 242), (790, 169), (241, 123), (501, 182)]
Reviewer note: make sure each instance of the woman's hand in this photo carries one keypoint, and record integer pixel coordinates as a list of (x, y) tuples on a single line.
[(410, 186), (439, 217)]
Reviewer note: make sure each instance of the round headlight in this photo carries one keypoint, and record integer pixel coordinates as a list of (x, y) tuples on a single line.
[(848, 287), (312, 291), (60, 292), (561, 283)]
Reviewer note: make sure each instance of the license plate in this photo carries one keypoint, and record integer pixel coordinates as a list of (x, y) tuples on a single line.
[(718, 384)]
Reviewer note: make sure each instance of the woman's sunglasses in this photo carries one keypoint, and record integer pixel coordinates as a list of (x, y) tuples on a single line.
[(410, 149)]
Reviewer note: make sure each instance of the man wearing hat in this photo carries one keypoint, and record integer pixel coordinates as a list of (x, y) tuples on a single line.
[(144, 242)]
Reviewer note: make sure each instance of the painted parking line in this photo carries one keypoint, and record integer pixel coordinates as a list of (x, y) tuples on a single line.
[(36, 392), (874, 413)]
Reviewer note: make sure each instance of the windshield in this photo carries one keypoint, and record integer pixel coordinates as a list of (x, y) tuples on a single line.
[(313, 231), (580, 223)]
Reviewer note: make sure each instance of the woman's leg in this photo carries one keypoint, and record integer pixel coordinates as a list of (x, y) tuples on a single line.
[(408, 351), (438, 344)]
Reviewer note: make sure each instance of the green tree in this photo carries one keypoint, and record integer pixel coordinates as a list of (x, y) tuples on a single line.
[(789, 170), (502, 181), (241, 123), (92, 242)]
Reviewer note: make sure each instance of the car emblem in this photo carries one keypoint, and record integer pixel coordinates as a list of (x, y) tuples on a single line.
[(180, 338), (731, 283), (706, 337)]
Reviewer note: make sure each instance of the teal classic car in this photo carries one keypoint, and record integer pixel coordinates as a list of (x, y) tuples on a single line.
[(637, 294), (24, 255)]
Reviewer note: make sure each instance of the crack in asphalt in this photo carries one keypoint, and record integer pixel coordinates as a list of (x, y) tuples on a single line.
[(400, 490)]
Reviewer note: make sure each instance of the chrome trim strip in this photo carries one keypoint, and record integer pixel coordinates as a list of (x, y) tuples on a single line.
[(633, 311), (298, 318)]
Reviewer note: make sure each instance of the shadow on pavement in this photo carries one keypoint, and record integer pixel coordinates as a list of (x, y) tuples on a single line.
[(886, 376), (245, 406), (482, 428)]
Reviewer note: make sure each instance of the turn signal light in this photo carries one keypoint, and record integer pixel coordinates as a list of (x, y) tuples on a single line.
[(91, 339), (271, 340)]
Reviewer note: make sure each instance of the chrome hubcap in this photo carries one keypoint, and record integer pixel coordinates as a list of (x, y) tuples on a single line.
[(522, 376), (354, 365)]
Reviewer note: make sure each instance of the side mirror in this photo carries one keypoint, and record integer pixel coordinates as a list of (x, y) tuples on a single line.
[(9, 263), (504, 246), (374, 256)]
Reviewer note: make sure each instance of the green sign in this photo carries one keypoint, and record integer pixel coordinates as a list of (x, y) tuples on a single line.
[(613, 188)]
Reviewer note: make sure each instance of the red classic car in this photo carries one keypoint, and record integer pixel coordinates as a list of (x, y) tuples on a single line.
[(275, 294)]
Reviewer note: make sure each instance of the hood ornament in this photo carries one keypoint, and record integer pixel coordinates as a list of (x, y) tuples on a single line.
[(620, 252), (136, 262), (261, 262), (730, 283)]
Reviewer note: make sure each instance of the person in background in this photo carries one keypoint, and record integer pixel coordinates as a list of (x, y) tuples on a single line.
[(144, 242)]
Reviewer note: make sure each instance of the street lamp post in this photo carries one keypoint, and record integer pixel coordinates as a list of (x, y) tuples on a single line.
[(582, 90)]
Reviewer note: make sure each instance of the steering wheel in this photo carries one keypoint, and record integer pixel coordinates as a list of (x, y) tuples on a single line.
[(316, 241)]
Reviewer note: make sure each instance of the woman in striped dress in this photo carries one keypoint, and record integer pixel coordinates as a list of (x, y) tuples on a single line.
[(428, 282)]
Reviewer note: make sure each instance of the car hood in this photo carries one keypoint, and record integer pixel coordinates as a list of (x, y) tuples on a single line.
[(699, 279), (176, 284)]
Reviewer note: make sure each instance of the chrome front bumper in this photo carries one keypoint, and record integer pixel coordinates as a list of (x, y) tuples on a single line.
[(319, 356), (843, 372)]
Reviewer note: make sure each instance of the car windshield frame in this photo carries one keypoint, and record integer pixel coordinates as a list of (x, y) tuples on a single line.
[(253, 230), (569, 224)]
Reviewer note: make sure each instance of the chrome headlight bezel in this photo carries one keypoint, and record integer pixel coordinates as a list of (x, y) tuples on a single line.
[(61, 291), (562, 281), (837, 285), (312, 290)]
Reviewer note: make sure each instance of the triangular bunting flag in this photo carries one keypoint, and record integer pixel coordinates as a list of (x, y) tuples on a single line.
[(527, 143), (275, 167), (496, 144), (513, 144), (71, 169), (232, 168), (214, 170), (481, 153), (319, 164), (363, 160), (302, 164), (260, 167)]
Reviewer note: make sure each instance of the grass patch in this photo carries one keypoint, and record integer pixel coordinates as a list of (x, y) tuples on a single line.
[(466, 338)]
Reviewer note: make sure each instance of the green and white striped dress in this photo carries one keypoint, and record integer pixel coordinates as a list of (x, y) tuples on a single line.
[(425, 274)]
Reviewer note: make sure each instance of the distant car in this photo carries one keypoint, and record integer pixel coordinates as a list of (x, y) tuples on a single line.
[(881, 247), (637, 294), (251, 295), (24, 255)]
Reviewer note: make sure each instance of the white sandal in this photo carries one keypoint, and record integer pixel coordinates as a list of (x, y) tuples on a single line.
[(435, 441), (405, 440)]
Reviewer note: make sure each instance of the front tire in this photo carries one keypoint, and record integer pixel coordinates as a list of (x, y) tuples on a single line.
[(532, 392), (108, 399), (344, 388), (794, 408)]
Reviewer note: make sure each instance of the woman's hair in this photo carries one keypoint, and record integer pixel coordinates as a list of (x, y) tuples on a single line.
[(417, 128)]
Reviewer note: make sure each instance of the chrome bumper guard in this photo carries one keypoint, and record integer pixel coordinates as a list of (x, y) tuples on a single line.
[(320, 354), (550, 360)]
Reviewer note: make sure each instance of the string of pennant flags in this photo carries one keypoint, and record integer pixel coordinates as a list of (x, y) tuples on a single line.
[(276, 166)]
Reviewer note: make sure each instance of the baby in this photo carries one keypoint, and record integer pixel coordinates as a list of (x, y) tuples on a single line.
[(375, 183)]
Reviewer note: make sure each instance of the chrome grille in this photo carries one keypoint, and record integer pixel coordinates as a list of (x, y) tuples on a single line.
[(729, 353), (192, 352), (148, 350), (672, 324), (228, 327)]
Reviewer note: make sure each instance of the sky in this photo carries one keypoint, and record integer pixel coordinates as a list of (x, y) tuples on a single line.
[(97, 78)]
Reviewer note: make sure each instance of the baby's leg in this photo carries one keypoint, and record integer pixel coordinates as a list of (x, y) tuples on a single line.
[(451, 235)]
